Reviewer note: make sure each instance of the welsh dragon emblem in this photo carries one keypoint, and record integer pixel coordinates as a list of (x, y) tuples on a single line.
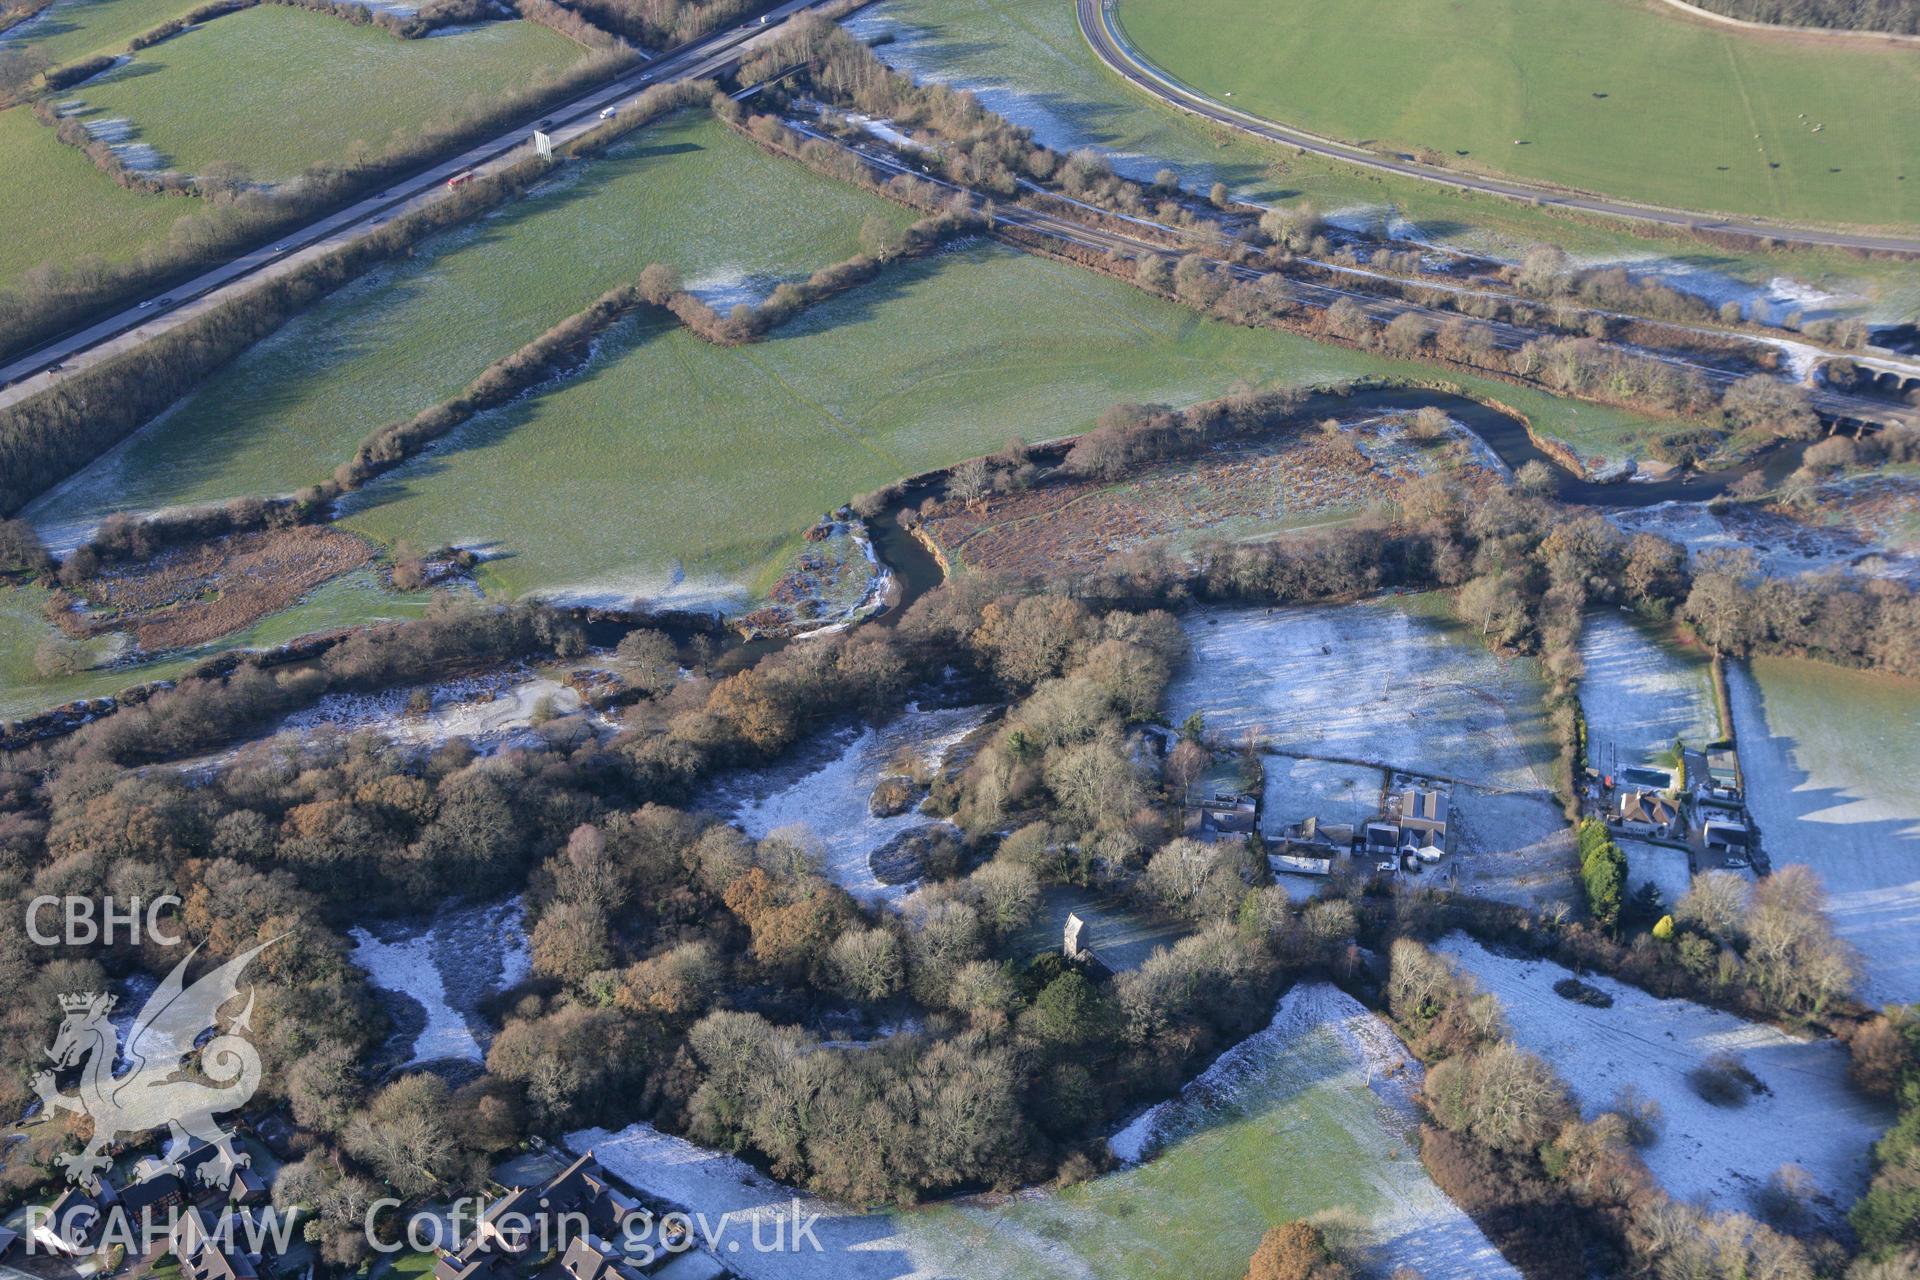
[(154, 1090)]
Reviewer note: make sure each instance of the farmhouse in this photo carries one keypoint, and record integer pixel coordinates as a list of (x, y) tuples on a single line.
[(1421, 815), (1646, 813)]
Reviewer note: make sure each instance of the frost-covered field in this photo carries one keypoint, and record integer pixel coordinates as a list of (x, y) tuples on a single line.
[(1640, 693), (828, 798), (489, 710), (1810, 1117), (1375, 682), (1309, 1116), (1782, 547), (447, 964), (1512, 846), (1832, 766)]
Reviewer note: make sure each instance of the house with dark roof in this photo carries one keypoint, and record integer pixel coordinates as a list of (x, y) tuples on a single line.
[(1220, 805), (75, 1222), (243, 1187), (152, 1198), (8, 1239)]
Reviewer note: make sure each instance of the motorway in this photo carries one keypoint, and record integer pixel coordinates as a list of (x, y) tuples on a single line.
[(1110, 45), (1825, 400), (36, 371)]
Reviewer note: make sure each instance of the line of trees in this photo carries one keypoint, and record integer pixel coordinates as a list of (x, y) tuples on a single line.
[(1839, 15)]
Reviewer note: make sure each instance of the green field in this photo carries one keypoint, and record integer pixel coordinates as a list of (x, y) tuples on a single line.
[(69, 30), (1027, 60), (1602, 95), (56, 206), (684, 191), (669, 465), (275, 89), (681, 459)]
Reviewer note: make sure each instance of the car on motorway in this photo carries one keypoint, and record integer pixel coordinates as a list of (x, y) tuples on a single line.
[(460, 179), (143, 306), (607, 113)]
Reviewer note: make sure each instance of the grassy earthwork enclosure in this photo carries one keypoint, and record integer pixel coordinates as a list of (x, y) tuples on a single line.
[(1613, 96), (262, 88)]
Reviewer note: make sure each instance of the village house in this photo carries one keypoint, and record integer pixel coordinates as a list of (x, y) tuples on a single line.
[(1316, 839), (204, 1256), (589, 1260), (83, 1216), (76, 1221), (1649, 814), (529, 1222)]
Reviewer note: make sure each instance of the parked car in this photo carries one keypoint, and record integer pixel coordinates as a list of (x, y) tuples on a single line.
[(1737, 864)]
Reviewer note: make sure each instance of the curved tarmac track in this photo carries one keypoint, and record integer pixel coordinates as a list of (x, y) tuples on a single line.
[(1110, 45)]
